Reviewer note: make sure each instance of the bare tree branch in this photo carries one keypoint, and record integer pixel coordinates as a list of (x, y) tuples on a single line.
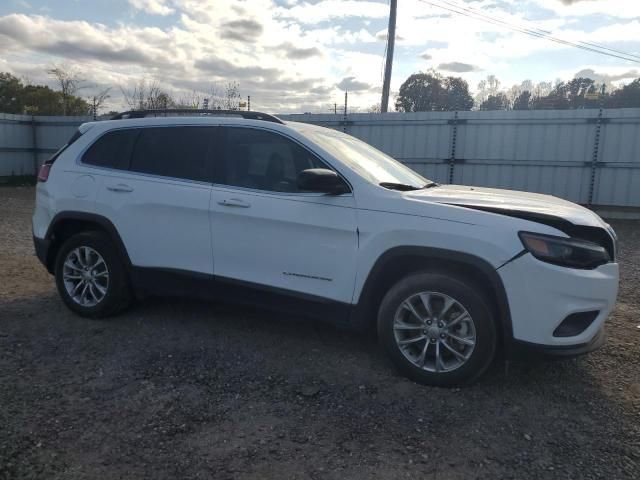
[(69, 82)]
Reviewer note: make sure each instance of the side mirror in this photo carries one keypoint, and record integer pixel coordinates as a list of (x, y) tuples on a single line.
[(321, 180)]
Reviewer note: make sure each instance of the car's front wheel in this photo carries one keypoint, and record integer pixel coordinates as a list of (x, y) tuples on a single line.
[(437, 329), (90, 276)]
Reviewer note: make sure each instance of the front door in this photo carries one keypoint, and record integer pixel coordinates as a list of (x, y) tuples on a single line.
[(267, 233)]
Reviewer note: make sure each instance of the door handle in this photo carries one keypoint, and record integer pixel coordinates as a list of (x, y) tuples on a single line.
[(234, 202), (120, 187)]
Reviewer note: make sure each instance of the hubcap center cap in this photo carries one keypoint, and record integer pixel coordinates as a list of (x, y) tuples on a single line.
[(433, 332)]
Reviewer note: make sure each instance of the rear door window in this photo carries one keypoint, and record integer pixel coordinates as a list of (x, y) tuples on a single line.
[(176, 152), (112, 150)]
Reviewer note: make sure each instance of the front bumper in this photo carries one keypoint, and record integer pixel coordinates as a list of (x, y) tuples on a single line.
[(521, 350), (541, 295)]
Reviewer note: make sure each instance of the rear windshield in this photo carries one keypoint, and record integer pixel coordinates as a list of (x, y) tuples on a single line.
[(73, 138)]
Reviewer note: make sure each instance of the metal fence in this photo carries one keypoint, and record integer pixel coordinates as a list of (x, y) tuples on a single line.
[(586, 156), (26, 141)]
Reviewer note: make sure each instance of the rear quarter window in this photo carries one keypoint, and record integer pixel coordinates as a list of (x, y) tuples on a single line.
[(112, 150)]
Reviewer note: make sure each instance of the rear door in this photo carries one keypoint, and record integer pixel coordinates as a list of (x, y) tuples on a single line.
[(157, 194)]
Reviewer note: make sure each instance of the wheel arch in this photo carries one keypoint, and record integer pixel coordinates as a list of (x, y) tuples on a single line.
[(68, 223), (399, 262)]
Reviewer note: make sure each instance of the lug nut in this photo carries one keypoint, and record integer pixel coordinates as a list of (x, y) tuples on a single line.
[(442, 335), (440, 324), (429, 322)]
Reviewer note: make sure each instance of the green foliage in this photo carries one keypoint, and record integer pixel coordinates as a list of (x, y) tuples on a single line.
[(499, 101), (431, 91), (15, 97), (567, 95), (522, 101), (11, 91), (425, 92), (627, 97)]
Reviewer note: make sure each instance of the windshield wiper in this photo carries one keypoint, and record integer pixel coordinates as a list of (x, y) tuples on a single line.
[(398, 186), (405, 187)]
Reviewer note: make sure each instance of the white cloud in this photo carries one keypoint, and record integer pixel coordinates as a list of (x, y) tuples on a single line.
[(296, 55), (310, 13), (155, 7), (577, 8)]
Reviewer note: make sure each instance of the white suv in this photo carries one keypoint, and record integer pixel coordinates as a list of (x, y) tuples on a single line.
[(241, 206)]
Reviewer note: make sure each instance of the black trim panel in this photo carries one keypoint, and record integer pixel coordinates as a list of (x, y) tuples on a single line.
[(362, 314), (180, 283), (526, 351), (42, 249), (101, 221)]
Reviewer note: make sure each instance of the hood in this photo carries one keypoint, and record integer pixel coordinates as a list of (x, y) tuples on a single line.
[(530, 206)]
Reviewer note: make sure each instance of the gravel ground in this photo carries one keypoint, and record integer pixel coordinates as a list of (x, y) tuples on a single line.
[(182, 389)]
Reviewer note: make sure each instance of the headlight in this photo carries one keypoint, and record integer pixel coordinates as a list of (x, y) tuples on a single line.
[(568, 252)]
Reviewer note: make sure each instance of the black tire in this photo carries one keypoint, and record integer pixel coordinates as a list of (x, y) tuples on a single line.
[(470, 298), (118, 292)]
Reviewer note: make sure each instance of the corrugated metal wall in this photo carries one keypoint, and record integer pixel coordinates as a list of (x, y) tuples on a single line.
[(26, 141), (586, 156)]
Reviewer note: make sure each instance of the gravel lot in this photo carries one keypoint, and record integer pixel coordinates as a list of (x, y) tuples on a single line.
[(182, 389)]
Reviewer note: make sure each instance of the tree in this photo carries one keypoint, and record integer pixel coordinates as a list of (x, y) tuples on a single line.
[(522, 101), (69, 82), (193, 99), (421, 92), (457, 94), (232, 96), (147, 95), (42, 100), (11, 94), (565, 95), (486, 88), (626, 97), (98, 100), (424, 92), (499, 101)]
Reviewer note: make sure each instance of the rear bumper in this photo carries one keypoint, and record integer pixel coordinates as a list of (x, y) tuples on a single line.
[(42, 249), (521, 350)]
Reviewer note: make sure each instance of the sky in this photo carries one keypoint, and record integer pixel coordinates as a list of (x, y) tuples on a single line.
[(301, 55)]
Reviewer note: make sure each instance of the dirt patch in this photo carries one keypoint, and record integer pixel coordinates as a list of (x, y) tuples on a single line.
[(182, 389)]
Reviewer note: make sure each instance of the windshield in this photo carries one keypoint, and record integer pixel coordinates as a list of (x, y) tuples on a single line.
[(367, 161)]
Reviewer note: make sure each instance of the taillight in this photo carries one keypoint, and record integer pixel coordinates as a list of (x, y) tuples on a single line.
[(43, 173)]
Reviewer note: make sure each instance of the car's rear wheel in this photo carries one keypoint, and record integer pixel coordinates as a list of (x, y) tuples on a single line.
[(437, 329), (90, 276)]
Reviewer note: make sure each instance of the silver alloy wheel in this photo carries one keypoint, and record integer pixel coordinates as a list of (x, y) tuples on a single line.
[(434, 332), (85, 276)]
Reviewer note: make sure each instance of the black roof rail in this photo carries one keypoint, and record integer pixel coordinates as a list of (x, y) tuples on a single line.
[(167, 112)]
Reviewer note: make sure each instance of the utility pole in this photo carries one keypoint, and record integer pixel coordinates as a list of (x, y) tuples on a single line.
[(335, 108), (391, 40), (248, 103), (344, 118)]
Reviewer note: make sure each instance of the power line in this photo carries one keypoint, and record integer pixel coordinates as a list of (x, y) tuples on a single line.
[(533, 32), (537, 31)]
